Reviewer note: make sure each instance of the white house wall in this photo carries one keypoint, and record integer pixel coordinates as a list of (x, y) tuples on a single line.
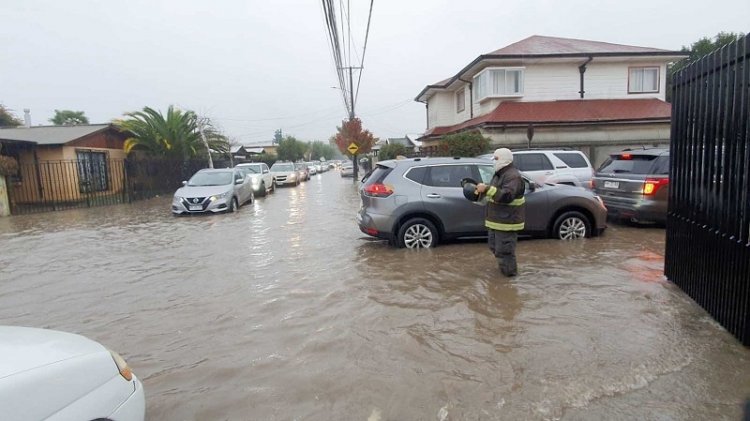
[(551, 82)]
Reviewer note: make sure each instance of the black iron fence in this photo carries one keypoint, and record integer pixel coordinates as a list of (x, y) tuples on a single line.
[(59, 185), (708, 227)]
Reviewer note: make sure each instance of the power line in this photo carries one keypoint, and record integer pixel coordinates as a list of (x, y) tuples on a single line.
[(364, 49)]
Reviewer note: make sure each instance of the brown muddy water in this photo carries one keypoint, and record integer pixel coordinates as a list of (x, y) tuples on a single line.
[(283, 311)]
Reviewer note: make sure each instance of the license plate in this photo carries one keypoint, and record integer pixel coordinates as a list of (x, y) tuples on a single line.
[(611, 185), (195, 207)]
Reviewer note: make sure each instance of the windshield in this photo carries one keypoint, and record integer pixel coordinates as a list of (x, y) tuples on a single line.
[(211, 179), (282, 167), (299, 166), (255, 169)]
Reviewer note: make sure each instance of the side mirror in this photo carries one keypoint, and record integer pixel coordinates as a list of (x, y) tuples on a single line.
[(265, 171), (184, 183), (533, 186), (239, 181)]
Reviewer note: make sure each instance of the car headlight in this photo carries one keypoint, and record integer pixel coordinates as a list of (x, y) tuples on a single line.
[(256, 180), (122, 366), (218, 196), (177, 198)]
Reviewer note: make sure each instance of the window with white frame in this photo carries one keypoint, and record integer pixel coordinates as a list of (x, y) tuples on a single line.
[(498, 82), (460, 100), (643, 80)]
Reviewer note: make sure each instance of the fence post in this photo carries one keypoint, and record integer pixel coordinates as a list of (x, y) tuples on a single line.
[(4, 197)]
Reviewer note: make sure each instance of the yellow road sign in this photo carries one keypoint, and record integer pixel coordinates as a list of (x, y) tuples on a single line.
[(353, 148)]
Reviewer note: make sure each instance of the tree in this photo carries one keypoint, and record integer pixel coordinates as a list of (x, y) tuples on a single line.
[(291, 149), (277, 137), (7, 119), (697, 50), (466, 144), (391, 151), (351, 132), (175, 135), (69, 118), (320, 149)]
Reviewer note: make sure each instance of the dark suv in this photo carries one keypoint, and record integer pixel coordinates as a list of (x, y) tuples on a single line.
[(634, 185), (418, 202)]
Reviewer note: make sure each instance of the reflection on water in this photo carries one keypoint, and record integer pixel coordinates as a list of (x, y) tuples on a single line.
[(284, 311)]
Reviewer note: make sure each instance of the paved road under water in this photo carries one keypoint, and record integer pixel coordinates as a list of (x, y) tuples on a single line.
[(284, 311)]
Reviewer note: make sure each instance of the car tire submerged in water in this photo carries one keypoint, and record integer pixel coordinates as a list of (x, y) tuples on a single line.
[(232, 205), (572, 225), (417, 233), (262, 191)]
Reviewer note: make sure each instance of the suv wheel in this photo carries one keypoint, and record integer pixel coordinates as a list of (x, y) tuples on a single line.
[(572, 226), (417, 233)]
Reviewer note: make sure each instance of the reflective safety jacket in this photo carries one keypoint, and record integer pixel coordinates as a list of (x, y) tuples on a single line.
[(506, 206)]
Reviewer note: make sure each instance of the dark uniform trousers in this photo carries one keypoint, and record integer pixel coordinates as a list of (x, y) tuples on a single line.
[(503, 246)]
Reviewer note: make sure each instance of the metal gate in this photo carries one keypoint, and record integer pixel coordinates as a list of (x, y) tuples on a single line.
[(94, 180), (708, 226)]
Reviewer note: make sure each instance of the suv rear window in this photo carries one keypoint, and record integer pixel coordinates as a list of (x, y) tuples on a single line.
[(532, 162), (417, 174), (629, 164), (572, 159), (377, 175)]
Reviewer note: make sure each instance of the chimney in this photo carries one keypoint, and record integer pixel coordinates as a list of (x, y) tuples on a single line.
[(27, 118)]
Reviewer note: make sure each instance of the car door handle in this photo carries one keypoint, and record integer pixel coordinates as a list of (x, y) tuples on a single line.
[(549, 173), (433, 196)]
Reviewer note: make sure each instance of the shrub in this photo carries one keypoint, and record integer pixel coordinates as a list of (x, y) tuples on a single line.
[(391, 151), (468, 144)]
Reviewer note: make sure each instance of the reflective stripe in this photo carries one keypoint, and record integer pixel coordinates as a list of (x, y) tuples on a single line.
[(517, 202), (491, 192), (503, 227)]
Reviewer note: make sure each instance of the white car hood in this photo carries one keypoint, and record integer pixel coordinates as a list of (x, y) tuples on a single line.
[(202, 191), (25, 348)]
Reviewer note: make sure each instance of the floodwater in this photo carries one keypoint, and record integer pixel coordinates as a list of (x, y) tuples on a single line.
[(283, 311)]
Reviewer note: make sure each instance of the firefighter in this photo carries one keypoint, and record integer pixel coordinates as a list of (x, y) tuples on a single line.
[(505, 210)]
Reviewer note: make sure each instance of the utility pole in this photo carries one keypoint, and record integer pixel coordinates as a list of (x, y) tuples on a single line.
[(352, 115), (201, 121)]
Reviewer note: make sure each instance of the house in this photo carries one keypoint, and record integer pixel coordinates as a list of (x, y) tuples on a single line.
[(409, 142), (556, 92), (64, 163), (238, 152), (260, 149)]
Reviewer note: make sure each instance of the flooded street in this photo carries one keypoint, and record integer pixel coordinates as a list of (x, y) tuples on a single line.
[(284, 311)]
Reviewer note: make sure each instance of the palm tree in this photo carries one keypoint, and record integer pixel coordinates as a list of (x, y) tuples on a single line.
[(174, 136)]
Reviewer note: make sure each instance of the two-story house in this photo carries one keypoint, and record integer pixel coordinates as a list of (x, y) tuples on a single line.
[(593, 96)]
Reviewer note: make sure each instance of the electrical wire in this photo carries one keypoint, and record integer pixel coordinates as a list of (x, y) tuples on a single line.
[(364, 50)]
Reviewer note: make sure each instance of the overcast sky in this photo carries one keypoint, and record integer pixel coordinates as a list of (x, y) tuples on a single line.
[(254, 66)]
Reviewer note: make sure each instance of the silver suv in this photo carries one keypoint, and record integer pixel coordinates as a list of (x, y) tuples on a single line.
[(419, 202)]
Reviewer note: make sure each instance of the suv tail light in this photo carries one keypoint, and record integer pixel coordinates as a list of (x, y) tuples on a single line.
[(652, 185), (377, 190)]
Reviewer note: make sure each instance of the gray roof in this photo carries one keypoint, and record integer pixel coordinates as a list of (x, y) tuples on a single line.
[(400, 141), (50, 135), (236, 148)]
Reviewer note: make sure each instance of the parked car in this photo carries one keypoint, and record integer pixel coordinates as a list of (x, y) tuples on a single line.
[(284, 173), (634, 185), (213, 190), (261, 177), (431, 206), (53, 375), (347, 170), (311, 167), (303, 170), (557, 166)]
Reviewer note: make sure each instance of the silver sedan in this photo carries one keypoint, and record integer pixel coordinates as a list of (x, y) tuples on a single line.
[(211, 190)]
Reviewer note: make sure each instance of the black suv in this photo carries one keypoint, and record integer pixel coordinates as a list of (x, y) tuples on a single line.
[(634, 184)]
